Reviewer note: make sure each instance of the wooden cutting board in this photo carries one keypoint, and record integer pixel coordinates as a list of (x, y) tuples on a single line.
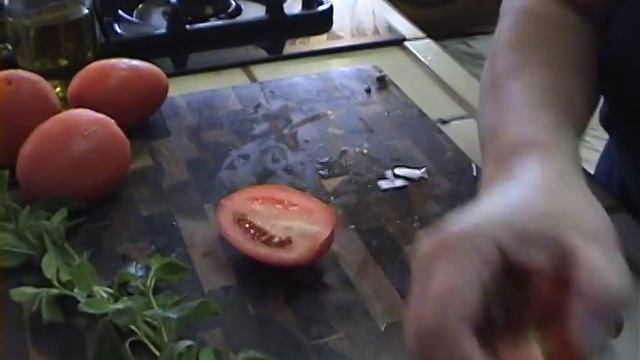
[(331, 134)]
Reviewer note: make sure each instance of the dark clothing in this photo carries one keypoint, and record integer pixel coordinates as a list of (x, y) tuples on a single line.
[(619, 80)]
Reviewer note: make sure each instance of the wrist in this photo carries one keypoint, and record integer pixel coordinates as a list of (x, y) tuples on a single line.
[(532, 168)]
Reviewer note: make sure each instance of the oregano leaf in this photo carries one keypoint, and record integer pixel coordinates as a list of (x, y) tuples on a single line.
[(209, 353), (96, 306), (168, 270), (25, 293), (50, 310), (49, 266), (84, 276)]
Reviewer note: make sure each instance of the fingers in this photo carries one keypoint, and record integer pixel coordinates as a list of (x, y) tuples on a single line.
[(577, 302), (519, 348), (602, 287), (449, 277)]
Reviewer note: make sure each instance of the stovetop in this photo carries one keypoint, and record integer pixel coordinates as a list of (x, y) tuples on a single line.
[(130, 24), (185, 36)]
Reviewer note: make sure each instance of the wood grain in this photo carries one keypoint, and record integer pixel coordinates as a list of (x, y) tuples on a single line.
[(202, 146)]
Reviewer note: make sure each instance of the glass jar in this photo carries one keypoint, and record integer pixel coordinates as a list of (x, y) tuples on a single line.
[(54, 38)]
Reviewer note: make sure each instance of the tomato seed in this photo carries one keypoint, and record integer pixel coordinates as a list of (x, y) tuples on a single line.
[(260, 234)]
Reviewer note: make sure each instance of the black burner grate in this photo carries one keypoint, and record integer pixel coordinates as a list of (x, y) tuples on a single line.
[(149, 28)]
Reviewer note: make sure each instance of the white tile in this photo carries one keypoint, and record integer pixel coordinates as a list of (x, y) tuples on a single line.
[(470, 52), (447, 69), (592, 144), (204, 81), (465, 134), (467, 87)]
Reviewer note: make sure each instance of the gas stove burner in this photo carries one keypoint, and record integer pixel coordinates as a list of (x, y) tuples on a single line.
[(153, 16), (153, 13), (202, 10), (152, 28)]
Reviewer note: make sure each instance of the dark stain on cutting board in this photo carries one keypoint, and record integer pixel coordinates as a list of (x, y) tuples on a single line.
[(321, 133)]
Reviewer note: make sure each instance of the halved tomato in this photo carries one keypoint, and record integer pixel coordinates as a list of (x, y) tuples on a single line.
[(277, 225)]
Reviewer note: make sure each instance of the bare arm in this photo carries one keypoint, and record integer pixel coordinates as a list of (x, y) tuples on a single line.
[(534, 212), (539, 87)]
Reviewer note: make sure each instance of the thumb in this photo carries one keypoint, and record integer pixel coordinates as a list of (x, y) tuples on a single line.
[(602, 288), (576, 308)]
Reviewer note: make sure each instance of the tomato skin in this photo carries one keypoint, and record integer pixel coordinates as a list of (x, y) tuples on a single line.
[(78, 154), (26, 100), (310, 213), (127, 90)]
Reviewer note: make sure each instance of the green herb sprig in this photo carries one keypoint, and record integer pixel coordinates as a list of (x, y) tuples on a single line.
[(130, 307)]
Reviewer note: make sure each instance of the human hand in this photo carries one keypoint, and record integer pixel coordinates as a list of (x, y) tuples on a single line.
[(533, 255)]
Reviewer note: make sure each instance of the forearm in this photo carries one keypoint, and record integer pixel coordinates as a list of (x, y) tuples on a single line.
[(539, 87)]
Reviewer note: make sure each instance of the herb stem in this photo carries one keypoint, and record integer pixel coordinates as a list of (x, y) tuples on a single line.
[(75, 256), (145, 340), (164, 332), (18, 250), (64, 291), (151, 284)]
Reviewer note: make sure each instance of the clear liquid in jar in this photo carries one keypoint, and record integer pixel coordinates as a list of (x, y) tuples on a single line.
[(54, 41)]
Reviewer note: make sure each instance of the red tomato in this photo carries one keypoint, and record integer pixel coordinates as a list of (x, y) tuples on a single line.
[(127, 90), (26, 100), (78, 154), (277, 225)]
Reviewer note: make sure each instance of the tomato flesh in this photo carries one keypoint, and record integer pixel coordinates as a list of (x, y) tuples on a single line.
[(277, 225)]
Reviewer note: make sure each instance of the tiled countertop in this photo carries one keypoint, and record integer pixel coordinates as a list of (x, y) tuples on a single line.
[(440, 86), (471, 53)]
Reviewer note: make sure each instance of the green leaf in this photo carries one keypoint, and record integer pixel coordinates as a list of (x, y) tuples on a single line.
[(167, 299), (49, 266), (11, 259), (59, 217), (193, 310), (126, 311), (151, 334), (96, 306), (13, 251), (168, 269), (50, 310), (103, 343), (124, 317), (252, 355), (209, 353), (182, 350), (35, 242), (130, 279), (60, 256), (9, 241), (25, 293), (124, 278), (84, 276), (24, 218), (137, 302), (197, 309)]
